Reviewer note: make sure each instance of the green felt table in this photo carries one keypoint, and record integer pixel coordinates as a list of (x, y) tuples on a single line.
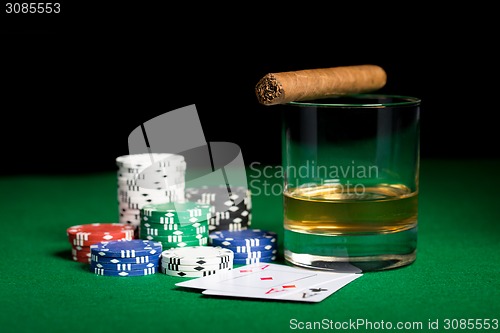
[(455, 276)]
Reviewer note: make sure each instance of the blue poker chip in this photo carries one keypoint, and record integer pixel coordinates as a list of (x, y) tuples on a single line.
[(249, 261), (126, 248), (248, 237), (123, 267), (112, 272), (137, 260), (255, 254)]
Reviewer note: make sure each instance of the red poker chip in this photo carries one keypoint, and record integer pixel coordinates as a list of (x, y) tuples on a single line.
[(87, 243), (81, 257), (88, 234), (80, 248), (85, 252), (85, 260), (81, 254)]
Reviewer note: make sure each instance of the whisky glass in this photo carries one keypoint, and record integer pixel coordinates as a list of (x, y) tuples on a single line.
[(351, 173)]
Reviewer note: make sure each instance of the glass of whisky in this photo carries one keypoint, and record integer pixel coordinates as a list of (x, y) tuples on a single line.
[(351, 170)]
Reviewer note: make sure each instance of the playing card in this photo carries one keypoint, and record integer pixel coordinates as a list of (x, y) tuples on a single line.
[(264, 280), (313, 294)]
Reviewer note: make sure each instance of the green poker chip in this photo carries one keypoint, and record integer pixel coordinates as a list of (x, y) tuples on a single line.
[(153, 229), (184, 243), (183, 213)]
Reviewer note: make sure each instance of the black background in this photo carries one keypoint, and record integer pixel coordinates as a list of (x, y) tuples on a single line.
[(75, 84)]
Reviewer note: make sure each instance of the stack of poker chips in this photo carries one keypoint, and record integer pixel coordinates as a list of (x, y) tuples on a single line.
[(124, 258), (250, 246), (83, 236), (175, 224), (148, 178), (196, 261), (232, 208)]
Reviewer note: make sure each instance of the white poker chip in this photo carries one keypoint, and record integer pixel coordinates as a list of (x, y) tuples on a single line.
[(190, 274), (197, 268), (197, 255), (145, 179), (140, 161)]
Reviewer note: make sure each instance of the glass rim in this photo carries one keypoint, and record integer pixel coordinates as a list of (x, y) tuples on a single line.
[(402, 100)]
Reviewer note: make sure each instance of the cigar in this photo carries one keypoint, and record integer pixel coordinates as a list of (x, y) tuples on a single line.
[(308, 84)]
